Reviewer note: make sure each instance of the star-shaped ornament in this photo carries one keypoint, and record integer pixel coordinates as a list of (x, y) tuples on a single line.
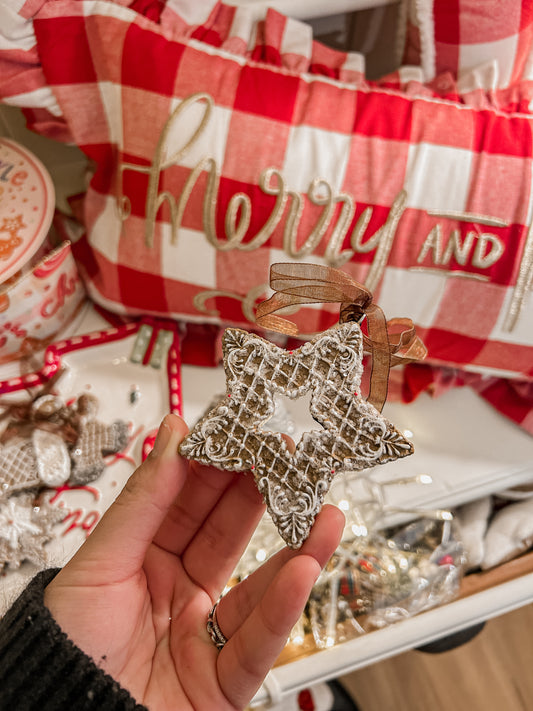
[(353, 434), (25, 528)]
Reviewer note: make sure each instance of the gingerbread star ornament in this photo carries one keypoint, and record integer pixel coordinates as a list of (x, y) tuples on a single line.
[(353, 433)]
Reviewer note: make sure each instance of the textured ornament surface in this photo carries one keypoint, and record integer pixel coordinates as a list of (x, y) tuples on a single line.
[(353, 434), (53, 460), (95, 440), (24, 529), (18, 467)]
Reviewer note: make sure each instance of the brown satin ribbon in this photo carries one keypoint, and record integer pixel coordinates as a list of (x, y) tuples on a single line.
[(390, 342)]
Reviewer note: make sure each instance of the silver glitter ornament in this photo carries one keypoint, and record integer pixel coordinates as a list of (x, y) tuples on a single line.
[(25, 529)]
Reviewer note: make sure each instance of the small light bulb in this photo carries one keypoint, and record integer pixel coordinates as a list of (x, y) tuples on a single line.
[(359, 530)]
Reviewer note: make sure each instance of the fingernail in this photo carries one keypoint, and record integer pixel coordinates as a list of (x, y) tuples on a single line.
[(162, 439)]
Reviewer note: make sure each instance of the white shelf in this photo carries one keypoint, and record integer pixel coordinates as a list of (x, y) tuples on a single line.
[(414, 632)]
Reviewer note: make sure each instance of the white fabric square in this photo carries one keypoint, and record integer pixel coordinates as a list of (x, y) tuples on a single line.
[(192, 259), (242, 25), (17, 31), (42, 98), (112, 99), (192, 11), (409, 73), (503, 51), (297, 38), (315, 153), (211, 139), (437, 177), (484, 76), (355, 62), (106, 231), (413, 293)]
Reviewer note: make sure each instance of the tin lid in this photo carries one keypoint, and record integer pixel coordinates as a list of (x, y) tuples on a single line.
[(27, 201)]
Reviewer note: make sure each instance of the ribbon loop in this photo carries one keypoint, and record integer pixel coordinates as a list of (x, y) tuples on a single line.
[(391, 342)]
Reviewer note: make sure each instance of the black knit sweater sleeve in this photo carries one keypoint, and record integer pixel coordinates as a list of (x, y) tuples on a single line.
[(42, 670)]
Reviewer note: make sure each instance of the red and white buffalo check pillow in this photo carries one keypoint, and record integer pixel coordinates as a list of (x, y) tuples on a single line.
[(484, 44), (221, 147)]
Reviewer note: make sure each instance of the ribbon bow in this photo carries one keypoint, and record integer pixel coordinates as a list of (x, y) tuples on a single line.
[(390, 342)]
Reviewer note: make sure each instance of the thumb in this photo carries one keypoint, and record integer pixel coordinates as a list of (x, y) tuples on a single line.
[(117, 547)]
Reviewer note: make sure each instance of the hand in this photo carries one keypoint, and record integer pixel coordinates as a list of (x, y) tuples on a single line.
[(137, 594)]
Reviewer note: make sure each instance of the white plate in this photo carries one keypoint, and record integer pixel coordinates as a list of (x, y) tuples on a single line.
[(105, 371)]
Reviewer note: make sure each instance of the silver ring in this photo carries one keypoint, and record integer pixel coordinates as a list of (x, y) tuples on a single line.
[(214, 630)]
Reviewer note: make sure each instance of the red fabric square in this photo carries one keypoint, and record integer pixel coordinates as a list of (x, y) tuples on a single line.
[(488, 21), (409, 238), (451, 125), (385, 115), (104, 274), (256, 136), (150, 61), (365, 233), (267, 92), (106, 29), (526, 14), (218, 77), (132, 251), (448, 58), (497, 133), (523, 49), (469, 306), (326, 61), (262, 206), (507, 196), (506, 356), (70, 36), (243, 271), (104, 156), (385, 163), (144, 114), (324, 105), (443, 348), (143, 292), (89, 125), (446, 14), (179, 298)]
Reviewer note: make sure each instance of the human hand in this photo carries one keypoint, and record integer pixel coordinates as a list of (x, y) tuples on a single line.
[(137, 594)]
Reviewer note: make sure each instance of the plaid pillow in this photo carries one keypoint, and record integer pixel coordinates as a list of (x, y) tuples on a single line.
[(489, 43), (217, 155)]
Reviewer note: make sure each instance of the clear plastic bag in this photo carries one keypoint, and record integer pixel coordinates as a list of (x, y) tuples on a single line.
[(378, 579)]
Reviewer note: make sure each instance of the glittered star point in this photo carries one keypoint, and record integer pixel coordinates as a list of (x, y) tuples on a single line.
[(353, 434)]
